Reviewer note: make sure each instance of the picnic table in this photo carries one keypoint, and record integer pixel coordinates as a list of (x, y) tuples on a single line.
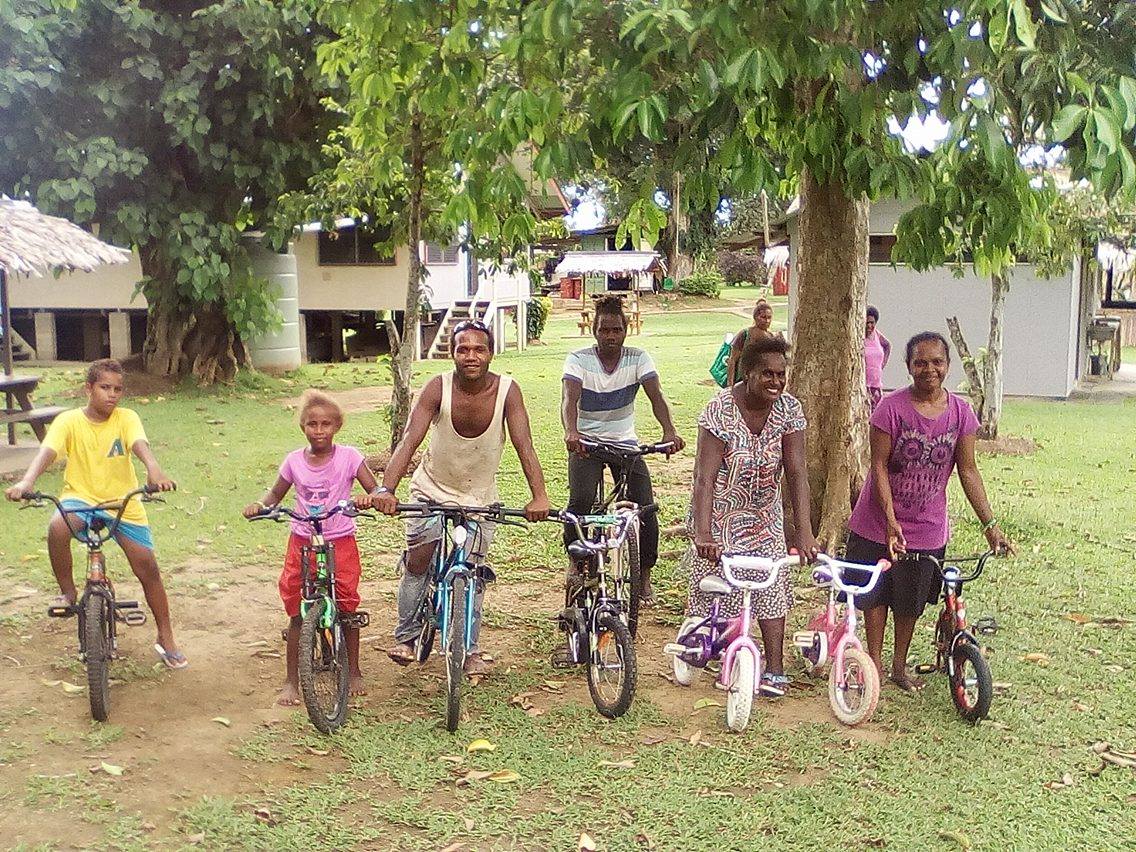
[(587, 311), (18, 391)]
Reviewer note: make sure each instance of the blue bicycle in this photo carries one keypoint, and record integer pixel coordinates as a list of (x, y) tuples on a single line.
[(447, 608)]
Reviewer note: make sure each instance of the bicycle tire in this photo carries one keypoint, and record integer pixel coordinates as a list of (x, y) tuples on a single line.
[(739, 700), (324, 675), (424, 642), (455, 651), (96, 653), (972, 708), (634, 579), (863, 670), (612, 632)]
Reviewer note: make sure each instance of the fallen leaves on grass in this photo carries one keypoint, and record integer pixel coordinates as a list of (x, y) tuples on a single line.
[(318, 752), (480, 745), (1110, 755), (72, 689), (654, 739), (523, 700), (1082, 620), (504, 776), (453, 847), (1037, 657), (703, 703), (585, 843), (221, 720), (1066, 780), (553, 685), (618, 764), (958, 837), (265, 815), (111, 769), (194, 839)]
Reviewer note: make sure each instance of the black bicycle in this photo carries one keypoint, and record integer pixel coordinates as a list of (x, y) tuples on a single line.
[(322, 665), (98, 610), (625, 563)]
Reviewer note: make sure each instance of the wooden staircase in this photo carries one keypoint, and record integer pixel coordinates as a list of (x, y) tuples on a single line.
[(463, 309)]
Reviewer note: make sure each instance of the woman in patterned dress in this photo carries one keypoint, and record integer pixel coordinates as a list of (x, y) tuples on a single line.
[(747, 435)]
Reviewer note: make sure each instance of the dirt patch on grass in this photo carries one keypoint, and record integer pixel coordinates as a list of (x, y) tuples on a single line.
[(1007, 446), (354, 401)]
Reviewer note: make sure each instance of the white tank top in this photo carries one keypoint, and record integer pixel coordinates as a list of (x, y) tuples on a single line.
[(457, 469)]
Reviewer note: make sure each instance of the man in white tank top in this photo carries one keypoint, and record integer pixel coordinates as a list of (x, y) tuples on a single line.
[(469, 410)]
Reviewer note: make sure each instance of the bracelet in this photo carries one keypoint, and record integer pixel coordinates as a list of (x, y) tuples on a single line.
[(990, 524), (380, 490)]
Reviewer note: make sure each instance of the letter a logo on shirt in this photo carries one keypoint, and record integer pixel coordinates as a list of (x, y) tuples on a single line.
[(116, 449)]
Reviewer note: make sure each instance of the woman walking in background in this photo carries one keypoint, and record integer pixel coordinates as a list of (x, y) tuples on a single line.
[(877, 350), (762, 320)]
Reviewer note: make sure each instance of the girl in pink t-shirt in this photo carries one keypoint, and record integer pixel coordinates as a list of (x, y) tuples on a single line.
[(323, 474), (920, 434)]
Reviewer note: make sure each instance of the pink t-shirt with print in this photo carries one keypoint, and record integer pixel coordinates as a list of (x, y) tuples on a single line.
[(320, 488), (921, 463)]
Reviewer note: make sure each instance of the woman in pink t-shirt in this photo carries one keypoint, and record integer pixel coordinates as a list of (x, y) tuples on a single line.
[(919, 435), (877, 350)]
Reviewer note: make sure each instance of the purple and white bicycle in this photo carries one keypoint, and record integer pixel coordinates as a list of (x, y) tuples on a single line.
[(703, 640)]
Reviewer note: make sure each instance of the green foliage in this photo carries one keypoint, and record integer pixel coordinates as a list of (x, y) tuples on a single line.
[(738, 267), (538, 310), (706, 281), (172, 126)]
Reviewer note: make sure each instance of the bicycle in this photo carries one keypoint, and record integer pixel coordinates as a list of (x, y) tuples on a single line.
[(322, 664), (957, 650), (447, 607), (597, 614), (701, 641), (619, 460), (853, 680), (97, 608)]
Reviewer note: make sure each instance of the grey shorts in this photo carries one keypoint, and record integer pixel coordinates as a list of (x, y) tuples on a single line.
[(428, 530)]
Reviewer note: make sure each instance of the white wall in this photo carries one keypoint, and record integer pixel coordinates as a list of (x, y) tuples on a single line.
[(106, 287)]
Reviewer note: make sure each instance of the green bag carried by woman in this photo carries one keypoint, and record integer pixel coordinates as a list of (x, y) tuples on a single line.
[(719, 369)]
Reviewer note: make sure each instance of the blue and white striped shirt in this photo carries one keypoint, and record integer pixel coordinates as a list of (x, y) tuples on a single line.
[(607, 400)]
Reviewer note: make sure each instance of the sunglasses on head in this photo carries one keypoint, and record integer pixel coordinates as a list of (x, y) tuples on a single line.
[(466, 325)]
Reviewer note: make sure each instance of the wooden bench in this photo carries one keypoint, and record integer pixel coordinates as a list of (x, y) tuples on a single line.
[(41, 415), (21, 387)]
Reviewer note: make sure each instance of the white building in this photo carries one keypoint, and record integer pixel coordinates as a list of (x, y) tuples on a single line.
[(1044, 336)]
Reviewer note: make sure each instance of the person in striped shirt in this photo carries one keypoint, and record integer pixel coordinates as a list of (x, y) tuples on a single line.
[(598, 403)]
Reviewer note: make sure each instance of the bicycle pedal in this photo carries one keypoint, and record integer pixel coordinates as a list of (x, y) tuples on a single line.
[(132, 618), (59, 611), (926, 668), (986, 626), (354, 619)]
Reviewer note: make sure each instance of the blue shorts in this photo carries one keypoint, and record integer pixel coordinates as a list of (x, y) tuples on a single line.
[(137, 533)]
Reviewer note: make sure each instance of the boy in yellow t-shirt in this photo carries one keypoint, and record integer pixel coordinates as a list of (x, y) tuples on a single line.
[(97, 441)]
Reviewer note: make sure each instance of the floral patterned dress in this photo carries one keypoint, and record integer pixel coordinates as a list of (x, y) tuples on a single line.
[(746, 516)]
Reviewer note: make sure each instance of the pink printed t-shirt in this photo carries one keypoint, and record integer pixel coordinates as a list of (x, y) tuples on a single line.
[(874, 358), (921, 463), (320, 488)]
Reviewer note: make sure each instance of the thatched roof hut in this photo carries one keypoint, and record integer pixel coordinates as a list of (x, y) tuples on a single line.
[(34, 244)]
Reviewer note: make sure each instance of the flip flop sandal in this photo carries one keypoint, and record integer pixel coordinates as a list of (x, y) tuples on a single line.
[(398, 658), (773, 686), (172, 659), (986, 626)]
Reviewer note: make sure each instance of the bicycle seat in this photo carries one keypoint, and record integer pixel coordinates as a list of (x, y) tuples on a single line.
[(714, 585), (579, 551)]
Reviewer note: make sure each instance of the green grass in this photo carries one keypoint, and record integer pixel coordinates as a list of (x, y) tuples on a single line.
[(925, 781)]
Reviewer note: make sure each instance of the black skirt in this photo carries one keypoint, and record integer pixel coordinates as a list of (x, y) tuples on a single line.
[(907, 587)]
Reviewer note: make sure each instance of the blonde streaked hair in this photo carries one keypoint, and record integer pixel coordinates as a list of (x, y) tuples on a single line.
[(318, 399)]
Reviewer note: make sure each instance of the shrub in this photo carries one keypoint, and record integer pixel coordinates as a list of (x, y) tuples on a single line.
[(702, 282), (538, 310), (741, 268)]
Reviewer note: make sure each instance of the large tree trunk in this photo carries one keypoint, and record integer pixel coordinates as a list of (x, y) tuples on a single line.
[(992, 366), (403, 344), (680, 263), (184, 339), (827, 372)]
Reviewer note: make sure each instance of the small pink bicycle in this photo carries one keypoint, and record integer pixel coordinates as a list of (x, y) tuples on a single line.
[(702, 640), (853, 681)]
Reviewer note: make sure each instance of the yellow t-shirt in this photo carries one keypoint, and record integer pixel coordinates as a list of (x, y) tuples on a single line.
[(99, 467)]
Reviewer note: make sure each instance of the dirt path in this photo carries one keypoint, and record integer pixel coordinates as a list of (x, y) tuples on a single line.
[(165, 730)]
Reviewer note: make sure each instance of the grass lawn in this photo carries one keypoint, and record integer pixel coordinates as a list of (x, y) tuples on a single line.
[(666, 776)]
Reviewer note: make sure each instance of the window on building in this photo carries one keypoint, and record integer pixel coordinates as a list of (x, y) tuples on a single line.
[(879, 248), (437, 255), (355, 246)]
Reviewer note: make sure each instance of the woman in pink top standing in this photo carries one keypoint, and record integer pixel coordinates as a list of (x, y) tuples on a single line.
[(877, 350), (919, 435)]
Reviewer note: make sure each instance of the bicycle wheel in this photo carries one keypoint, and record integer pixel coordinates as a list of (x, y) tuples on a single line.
[(96, 653), (455, 651), (685, 674), (323, 669), (972, 686), (628, 584), (854, 691), (424, 642), (739, 701), (612, 669)]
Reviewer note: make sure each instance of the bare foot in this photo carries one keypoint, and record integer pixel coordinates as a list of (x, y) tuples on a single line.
[(907, 683), (289, 696), (402, 653), (356, 687), (477, 665)]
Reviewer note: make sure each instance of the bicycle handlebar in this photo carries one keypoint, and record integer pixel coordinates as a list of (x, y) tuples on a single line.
[(627, 452), (755, 563), (280, 513), (496, 512), (947, 563), (37, 498), (624, 513), (832, 570)]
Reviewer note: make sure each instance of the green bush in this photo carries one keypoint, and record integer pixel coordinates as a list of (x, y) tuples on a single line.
[(538, 310), (702, 282)]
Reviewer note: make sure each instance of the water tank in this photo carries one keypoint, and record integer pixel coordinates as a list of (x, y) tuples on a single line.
[(277, 352)]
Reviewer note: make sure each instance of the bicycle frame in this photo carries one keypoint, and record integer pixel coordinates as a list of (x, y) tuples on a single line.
[(619, 460), (954, 607), (447, 567), (839, 633)]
